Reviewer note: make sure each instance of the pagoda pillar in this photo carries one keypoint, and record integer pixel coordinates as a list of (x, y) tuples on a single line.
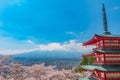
[(119, 42), (103, 44), (105, 75), (104, 57)]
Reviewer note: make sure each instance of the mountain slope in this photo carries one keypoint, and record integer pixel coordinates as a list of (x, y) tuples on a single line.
[(47, 55)]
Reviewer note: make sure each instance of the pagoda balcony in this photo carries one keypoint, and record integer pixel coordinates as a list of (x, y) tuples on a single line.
[(113, 62), (105, 58), (108, 59), (107, 63), (107, 47), (113, 76)]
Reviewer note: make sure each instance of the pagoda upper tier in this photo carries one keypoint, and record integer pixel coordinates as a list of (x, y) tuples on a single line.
[(109, 57), (104, 41)]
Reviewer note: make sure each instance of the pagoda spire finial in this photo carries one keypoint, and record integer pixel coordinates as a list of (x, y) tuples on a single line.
[(105, 21)]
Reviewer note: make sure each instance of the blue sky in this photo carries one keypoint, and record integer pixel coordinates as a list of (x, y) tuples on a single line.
[(26, 24)]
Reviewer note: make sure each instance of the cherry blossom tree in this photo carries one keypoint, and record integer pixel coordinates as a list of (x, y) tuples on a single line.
[(36, 72)]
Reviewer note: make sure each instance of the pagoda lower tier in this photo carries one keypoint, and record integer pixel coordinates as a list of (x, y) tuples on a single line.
[(103, 56), (103, 72), (106, 64)]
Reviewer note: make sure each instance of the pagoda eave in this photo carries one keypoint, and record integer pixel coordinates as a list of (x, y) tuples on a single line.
[(92, 41)]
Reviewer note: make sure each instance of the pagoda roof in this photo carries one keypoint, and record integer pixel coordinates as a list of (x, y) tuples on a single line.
[(90, 78), (110, 36), (112, 68), (108, 50), (90, 54), (97, 37)]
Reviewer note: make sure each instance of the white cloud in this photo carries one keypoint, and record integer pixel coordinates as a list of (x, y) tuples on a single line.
[(30, 41), (4, 4), (71, 33), (116, 8), (11, 52), (11, 46), (81, 32), (76, 35), (52, 47), (72, 45)]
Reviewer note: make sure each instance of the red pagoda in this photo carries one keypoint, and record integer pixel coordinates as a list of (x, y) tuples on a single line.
[(106, 66)]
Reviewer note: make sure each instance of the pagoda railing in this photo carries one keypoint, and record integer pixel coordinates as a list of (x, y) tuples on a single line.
[(95, 76), (112, 61), (108, 62)]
